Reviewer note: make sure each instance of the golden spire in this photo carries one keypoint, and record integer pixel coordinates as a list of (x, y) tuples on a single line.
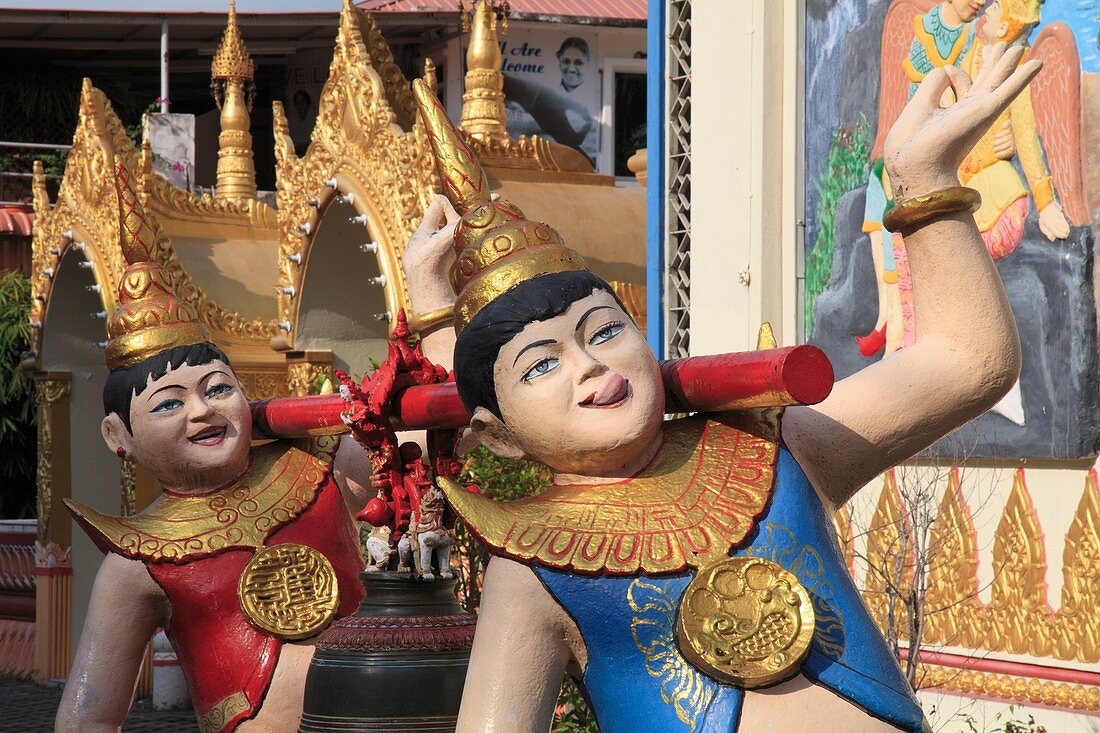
[(483, 102), (231, 83), (231, 60)]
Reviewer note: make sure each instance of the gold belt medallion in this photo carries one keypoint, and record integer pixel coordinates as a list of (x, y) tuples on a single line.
[(746, 621), (289, 590)]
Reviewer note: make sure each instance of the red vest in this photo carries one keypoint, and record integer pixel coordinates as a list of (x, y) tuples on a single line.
[(196, 548)]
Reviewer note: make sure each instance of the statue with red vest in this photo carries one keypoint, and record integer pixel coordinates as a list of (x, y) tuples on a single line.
[(247, 555)]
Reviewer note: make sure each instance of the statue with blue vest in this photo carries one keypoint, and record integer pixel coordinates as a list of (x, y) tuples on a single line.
[(686, 572)]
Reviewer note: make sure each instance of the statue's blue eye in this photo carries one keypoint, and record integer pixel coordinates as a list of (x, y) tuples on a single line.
[(219, 389), (606, 333), (167, 405), (545, 366)]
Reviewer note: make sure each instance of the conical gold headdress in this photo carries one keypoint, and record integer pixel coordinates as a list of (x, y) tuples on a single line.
[(150, 318), (497, 246)]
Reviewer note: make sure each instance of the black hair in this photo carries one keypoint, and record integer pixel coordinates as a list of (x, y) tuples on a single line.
[(126, 383), (574, 42), (479, 344)]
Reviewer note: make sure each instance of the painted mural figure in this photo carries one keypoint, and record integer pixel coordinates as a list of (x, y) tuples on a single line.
[(644, 571), (1004, 207), (941, 37), (247, 555)]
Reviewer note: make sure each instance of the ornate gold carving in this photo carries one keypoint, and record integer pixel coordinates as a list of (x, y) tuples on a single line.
[(367, 138), (231, 60), (304, 376), (52, 555), (263, 384), (483, 102), (231, 84), (746, 621), (225, 710), (47, 392), (1005, 687), (289, 591), (653, 627), (1018, 613), (953, 574), (889, 556), (282, 481), (1078, 621), (696, 500), (87, 206), (1019, 618), (129, 487)]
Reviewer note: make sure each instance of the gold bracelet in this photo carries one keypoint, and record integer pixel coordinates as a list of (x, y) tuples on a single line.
[(915, 212), (426, 321)]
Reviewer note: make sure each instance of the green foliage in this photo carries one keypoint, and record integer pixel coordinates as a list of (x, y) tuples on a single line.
[(1003, 722), (17, 435), (572, 714), (845, 169)]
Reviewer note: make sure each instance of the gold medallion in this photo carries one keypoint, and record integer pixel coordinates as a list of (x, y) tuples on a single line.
[(288, 590), (746, 621)]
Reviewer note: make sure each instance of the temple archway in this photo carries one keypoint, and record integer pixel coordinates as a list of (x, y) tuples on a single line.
[(342, 304)]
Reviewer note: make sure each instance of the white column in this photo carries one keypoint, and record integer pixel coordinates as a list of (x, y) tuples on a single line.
[(164, 67), (745, 171)]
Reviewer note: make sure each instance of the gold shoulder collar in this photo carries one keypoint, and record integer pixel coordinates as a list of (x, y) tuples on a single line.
[(697, 500), (281, 483)]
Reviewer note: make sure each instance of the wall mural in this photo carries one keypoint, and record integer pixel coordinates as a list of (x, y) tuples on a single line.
[(1038, 170)]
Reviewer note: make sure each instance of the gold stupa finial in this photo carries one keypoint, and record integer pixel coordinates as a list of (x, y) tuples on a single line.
[(483, 101), (150, 318), (231, 60), (233, 89), (497, 246)]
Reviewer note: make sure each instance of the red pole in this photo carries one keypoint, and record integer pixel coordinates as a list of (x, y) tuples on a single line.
[(796, 375)]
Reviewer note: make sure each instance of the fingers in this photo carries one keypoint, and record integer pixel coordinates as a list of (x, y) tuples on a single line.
[(931, 89), (1015, 83), (434, 216), (449, 212), (959, 80), (998, 68)]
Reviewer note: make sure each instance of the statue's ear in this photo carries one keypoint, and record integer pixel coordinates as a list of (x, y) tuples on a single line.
[(492, 433), (115, 435)]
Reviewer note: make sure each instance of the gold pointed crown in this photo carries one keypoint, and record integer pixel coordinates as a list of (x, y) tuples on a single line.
[(231, 60), (150, 318), (497, 247)]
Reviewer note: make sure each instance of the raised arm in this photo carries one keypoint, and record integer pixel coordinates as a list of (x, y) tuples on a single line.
[(126, 608), (967, 352), (426, 261)]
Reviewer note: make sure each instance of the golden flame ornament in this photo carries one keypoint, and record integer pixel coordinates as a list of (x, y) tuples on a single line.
[(150, 318)]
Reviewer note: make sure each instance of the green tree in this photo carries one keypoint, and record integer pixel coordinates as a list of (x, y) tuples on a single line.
[(17, 435)]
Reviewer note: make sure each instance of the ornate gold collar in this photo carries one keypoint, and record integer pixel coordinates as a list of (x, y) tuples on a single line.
[(283, 480), (698, 499)]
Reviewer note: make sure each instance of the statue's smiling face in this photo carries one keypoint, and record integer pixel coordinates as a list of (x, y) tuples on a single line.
[(192, 427), (581, 392)]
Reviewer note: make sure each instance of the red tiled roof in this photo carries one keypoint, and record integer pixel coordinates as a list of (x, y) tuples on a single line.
[(16, 220), (610, 9)]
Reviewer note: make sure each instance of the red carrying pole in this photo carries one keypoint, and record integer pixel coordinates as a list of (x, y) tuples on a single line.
[(795, 375)]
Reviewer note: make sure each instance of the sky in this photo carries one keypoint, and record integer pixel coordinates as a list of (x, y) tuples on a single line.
[(175, 6)]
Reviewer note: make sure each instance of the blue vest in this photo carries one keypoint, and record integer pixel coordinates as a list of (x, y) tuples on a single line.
[(637, 680)]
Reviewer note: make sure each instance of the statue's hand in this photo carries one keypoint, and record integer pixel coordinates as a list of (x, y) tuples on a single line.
[(928, 142), (428, 257), (1052, 221)]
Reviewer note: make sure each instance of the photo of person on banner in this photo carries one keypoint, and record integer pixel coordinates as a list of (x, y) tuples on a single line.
[(562, 113)]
